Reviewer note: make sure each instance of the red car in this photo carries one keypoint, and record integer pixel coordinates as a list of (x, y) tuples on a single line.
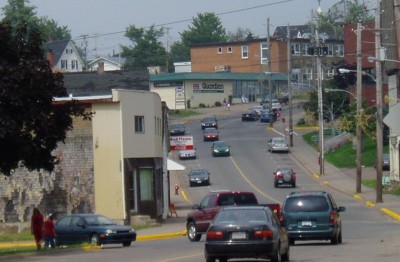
[(210, 134), (284, 176)]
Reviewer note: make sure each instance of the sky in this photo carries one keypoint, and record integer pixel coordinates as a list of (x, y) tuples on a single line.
[(105, 21)]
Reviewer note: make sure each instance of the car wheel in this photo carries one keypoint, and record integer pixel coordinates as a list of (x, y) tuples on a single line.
[(222, 259), (209, 259), (275, 184), (291, 241), (286, 256), (276, 256), (126, 243), (95, 240), (340, 240), (192, 232), (335, 239), (294, 184)]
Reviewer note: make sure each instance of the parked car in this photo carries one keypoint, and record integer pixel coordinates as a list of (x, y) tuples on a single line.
[(210, 134), (199, 176), (209, 122), (277, 144), (246, 232), (177, 130), (275, 104), (187, 154), (312, 215), (250, 115), (92, 228), (284, 176), (220, 148), (258, 109), (385, 161)]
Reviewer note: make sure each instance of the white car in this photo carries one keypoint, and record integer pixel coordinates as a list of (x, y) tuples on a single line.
[(278, 144), (187, 154), (275, 104), (258, 109)]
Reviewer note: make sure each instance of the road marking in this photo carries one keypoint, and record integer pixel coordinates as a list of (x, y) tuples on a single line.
[(182, 258), (250, 183)]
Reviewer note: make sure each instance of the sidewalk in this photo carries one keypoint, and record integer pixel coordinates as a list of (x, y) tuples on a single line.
[(342, 180)]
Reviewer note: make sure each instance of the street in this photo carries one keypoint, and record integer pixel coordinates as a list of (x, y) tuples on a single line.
[(367, 234)]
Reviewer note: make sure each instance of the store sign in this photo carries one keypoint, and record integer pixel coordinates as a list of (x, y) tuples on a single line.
[(208, 88), (167, 84), (181, 142)]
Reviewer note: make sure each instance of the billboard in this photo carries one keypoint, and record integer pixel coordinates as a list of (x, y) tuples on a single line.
[(181, 142)]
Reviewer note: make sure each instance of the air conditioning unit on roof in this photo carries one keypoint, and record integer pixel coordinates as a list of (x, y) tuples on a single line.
[(222, 68)]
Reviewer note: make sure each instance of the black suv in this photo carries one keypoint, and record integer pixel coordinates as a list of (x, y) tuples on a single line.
[(312, 215)]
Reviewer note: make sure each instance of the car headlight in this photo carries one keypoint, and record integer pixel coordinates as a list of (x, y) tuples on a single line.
[(226, 150), (215, 150), (109, 231)]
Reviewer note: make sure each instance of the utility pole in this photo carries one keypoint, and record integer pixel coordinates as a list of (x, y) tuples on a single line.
[(319, 52), (289, 55), (269, 74), (167, 49), (359, 105), (379, 120)]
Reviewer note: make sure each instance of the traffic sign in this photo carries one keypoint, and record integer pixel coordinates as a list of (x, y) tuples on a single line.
[(392, 119)]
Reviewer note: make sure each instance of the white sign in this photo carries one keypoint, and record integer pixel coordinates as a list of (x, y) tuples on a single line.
[(392, 119), (181, 142)]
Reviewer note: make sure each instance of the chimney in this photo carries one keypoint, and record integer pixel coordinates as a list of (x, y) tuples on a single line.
[(50, 58), (100, 68)]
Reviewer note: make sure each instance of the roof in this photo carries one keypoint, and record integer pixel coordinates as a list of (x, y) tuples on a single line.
[(118, 61), (95, 84), (57, 48), (216, 76)]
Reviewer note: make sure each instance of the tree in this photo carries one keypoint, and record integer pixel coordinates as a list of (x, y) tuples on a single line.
[(18, 13), (30, 124), (146, 50), (179, 52), (240, 34), (205, 28), (343, 12)]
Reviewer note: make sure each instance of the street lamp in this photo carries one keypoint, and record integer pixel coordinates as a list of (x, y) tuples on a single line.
[(328, 90)]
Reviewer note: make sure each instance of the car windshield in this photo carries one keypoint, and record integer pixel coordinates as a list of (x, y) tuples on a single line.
[(198, 172), (285, 171), (210, 130), (306, 204), (241, 217), (99, 220), (210, 119), (220, 145), (177, 126)]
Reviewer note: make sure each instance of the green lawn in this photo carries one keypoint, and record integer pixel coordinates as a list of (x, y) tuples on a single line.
[(182, 113)]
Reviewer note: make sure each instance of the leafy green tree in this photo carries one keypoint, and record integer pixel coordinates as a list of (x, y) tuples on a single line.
[(18, 13), (241, 34), (179, 52), (31, 125), (343, 12), (205, 28), (146, 49)]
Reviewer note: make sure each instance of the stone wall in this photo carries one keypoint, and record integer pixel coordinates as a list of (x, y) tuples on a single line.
[(68, 189)]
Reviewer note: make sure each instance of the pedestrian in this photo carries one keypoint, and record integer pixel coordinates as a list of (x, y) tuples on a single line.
[(229, 106), (49, 232), (37, 227), (224, 102)]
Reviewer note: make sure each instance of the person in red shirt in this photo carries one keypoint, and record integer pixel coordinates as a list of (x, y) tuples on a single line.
[(37, 227), (49, 232)]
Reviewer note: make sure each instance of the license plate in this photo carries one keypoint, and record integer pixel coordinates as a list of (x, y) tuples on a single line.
[(199, 182), (239, 235), (306, 223)]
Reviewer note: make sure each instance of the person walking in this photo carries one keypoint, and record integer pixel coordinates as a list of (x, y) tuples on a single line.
[(49, 232), (37, 227)]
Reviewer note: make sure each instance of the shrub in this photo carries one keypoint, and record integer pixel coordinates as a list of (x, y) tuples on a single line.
[(218, 104), (188, 104), (301, 122), (201, 105)]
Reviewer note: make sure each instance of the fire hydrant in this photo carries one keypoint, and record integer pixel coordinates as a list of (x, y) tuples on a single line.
[(176, 189)]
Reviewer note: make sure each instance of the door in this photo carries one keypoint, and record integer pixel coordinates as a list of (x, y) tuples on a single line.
[(132, 191)]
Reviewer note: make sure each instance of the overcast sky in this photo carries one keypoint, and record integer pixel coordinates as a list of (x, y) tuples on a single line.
[(105, 21)]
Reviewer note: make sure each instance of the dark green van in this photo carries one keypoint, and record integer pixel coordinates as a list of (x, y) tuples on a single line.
[(312, 215)]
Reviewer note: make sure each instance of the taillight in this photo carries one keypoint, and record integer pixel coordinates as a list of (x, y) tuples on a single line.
[(263, 234), (332, 217), (215, 234)]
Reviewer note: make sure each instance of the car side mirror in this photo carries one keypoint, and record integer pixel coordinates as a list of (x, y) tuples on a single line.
[(196, 206), (341, 209)]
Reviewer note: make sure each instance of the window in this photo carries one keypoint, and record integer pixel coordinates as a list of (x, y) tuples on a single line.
[(245, 51), (146, 184), (139, 124), (219, 50), (64, 64), (264, 53), (330, 50), (306, 49), (309, 73), (74, 64), (229, 49), (339, 50), (296, 49)]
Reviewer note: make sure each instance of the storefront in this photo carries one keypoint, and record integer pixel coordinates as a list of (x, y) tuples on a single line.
[(184, 90)]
